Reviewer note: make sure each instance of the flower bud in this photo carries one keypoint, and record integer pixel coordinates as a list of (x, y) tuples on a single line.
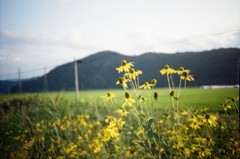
[(207, 116), (181, 68), (172, 93), (124, 62), (127, 95), (154, 81), (155, 95), (166, 67)]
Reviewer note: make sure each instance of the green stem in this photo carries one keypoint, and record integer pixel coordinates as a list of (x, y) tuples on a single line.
[(172, 81), (185, 86), (179, 89), (169, 86), (113, 104), (168, 83)]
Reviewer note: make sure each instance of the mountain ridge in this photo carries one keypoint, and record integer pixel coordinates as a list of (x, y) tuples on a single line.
[(98, 70)]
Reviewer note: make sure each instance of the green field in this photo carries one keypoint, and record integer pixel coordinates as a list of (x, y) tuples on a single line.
[(51, 125), (193, 98)]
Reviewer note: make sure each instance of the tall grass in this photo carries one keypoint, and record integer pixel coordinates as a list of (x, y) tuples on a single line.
[(194, 97), (128, 123)]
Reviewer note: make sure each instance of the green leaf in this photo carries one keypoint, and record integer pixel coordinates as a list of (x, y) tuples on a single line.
[(148, 126), (141, 143), (176, 98)]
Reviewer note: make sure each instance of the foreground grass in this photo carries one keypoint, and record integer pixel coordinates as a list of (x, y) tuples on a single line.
[(194, 98), (137, 122), (50, 126)]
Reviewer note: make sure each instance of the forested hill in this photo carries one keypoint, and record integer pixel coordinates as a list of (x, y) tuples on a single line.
[(215, 67)]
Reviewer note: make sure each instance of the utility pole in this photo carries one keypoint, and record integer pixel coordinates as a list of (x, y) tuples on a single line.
[(76, 62), (238, 73), (19, 80), (45, 82)]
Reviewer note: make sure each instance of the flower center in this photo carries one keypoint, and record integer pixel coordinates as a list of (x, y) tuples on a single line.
[(120, 80), (181, 69), (166, 67), (155, 95), (124, 62), (185, 74), (127, 95), (207, 116), (132, 71)]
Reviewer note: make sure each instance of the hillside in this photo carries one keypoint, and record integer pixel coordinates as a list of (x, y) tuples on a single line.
[(215, 67)]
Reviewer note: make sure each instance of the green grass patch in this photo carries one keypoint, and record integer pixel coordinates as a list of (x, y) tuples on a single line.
[(132, 122), (192, 98)]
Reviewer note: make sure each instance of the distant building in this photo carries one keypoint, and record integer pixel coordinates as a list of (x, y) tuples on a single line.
[(219, 86)]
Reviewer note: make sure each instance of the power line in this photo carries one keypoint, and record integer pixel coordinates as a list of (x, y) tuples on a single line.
[(226, 32), (218, 32), (27, 71)]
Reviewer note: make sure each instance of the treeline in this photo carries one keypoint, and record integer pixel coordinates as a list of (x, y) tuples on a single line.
[(98, 71)]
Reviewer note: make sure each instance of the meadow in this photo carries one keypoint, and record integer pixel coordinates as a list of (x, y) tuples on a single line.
[(138, 121), (194, 98)]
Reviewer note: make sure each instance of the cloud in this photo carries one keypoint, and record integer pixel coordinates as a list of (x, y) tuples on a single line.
[(139, 41), (200, 42), (13, 38), (72, 40), (33, 51)]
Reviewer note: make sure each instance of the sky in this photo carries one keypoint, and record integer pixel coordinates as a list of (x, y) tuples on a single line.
[(38, 35)]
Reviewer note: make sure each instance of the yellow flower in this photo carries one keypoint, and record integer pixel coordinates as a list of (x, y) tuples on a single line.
[(167, 70), (212, 122), (209, 119), (160, 121), (225, 106), (167, 115), (232, 99), (108, 96), (120, 122), (139, 131), (128, 100), (132, 74), (204, 109), (176, 116), (208, 141), (62, 127), (146, 85), (186, 151), (123, 81), (185, 128), (178, 145), (204, 152), (125, 66), (105, 135), (80, 139), (143, 99), (114, 132), (195, 125), (131, 152), (181, 70), (122, 112), (38, 124), (192, 119), (185, 76), (108, 118), (28, 145), (87, 116), (183, 112), (154, 82)]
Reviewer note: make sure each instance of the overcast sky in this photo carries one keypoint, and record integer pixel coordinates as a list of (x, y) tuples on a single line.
[(45, 33)]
